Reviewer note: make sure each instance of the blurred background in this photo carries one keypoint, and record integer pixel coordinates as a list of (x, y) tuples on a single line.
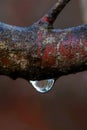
[(62, 108)]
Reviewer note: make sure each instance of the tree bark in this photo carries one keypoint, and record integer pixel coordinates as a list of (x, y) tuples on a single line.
[(40, 52)]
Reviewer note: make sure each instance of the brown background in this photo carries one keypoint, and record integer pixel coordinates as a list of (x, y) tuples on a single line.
[(65, 106)]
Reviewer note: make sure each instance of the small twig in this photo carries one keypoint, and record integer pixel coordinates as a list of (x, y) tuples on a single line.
[(52, 14)]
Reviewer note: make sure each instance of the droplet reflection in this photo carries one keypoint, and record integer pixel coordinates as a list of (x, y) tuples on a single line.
[(43, 85)]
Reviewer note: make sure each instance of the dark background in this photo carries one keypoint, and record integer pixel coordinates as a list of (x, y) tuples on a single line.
[(62, 108)]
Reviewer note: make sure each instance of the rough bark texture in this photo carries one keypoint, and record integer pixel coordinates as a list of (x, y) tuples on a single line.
[(41, 52)]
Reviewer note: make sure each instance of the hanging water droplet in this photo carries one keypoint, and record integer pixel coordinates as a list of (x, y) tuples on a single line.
[(43, 85)]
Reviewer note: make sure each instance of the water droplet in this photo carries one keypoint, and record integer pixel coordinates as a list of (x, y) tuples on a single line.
[(43, 85)]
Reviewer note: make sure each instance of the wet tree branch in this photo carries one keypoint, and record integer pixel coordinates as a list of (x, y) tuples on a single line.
[(41, 52)]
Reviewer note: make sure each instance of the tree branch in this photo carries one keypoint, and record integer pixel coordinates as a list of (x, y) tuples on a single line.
[(39, 52), (52, 14)]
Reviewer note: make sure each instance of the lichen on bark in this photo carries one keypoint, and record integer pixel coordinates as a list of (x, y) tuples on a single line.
[(40, 51)]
